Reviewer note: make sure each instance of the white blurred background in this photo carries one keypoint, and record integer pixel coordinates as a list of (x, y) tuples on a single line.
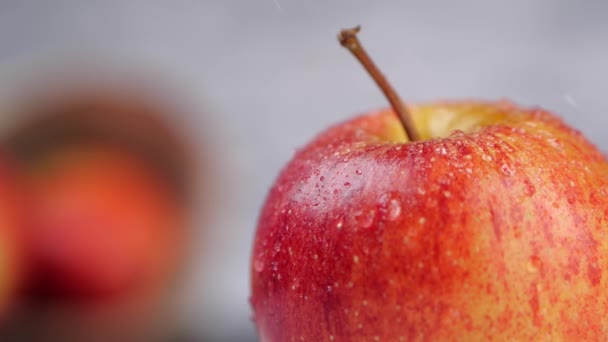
[(262, 77)]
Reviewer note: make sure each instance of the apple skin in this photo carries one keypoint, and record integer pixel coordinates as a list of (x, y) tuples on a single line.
[(494, 232), (103, 228)]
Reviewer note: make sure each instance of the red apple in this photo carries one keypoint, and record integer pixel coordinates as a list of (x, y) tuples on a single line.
[(102, 225), (109, 188), (491, 226), (11, 256), (105, 240)]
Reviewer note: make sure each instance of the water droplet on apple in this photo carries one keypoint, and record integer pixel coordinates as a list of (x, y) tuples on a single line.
[(329, 288), (529, 189), (555, 144), (365, 218), (519, 130), (534, 264), (394, 209), (457, 133), (258, 265), (336, 191), (347, 184), (389, 205), (531, 123), (506, 170), (441, 150), (358, 172), (340, 222)]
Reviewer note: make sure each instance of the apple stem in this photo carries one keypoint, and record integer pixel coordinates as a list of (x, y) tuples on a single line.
[(348, 39)]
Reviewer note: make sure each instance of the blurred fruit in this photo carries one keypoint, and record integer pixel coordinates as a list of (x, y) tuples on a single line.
[(103, 225), (11, 249), (110, 186)]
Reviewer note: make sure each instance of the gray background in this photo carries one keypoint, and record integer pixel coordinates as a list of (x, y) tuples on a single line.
[(263, 76)]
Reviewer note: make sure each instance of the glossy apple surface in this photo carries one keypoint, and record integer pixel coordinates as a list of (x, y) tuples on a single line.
[(493, 226)]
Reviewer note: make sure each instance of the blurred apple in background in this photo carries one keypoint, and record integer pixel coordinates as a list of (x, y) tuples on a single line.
[(103, 225), (109, 183), (11, 261)]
